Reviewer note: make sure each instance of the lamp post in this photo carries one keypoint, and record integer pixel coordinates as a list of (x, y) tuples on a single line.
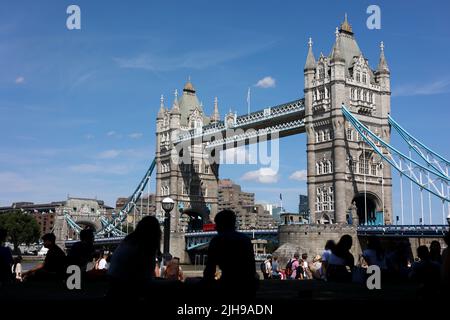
[(167, 205)]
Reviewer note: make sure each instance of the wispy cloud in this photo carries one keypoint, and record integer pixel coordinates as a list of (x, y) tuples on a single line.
[(299, 175), (20, 80), (135, 135), (429, 88), (189, 60), (108, 154), (262, 175), (89, 168), (266, 82)]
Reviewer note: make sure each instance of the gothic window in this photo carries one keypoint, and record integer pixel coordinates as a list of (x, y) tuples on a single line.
[(326, 167), (322, 94), (196, 167), (371, 97), (352, 93), (321, 168), (354, 168), (321, 73), (322, 135), (358, 94), (349, 134), (358, 77), (363, 165), (364, 77), (317, 168), (330, 166), (317, 136), (374, 170), (206, 169), (364, 95)]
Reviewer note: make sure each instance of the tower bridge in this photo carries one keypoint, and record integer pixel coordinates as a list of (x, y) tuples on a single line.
[(345, 112)]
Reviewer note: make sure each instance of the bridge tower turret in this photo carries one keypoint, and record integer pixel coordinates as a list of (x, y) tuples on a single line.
[(343, 172), (181, 171)]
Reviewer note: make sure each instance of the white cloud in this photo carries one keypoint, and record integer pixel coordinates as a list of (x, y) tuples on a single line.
[(111, 133), (430, 88), (266, 82), (262, 175), (20, 80), (108, 154), (299, 175), (135, 135)]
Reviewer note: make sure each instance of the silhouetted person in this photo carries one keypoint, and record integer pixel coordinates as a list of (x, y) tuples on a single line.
[(132, 266), (425, 272), (445, 269), (374, 254), (435, 252), (82, 252), (232, 252), (329, 246), (341, 261), (6, 259), (55, 263)]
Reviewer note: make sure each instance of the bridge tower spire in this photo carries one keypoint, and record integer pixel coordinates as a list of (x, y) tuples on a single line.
[(338, 162)]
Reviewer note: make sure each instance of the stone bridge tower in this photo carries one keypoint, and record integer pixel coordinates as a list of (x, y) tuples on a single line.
[(191, 184), (347, 181)]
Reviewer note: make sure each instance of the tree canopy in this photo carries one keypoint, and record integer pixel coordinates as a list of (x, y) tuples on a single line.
[(21, 228)]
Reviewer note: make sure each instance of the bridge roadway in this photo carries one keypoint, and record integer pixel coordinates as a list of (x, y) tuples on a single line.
[(198, 239)]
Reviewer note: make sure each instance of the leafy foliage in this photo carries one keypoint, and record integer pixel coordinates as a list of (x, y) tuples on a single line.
[(21, 227)]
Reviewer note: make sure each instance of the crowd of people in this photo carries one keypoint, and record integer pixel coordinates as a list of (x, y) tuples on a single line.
[(430, 269), (137, 262)]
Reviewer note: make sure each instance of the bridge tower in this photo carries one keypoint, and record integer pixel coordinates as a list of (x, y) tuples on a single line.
[(192, 184), (347, 182)]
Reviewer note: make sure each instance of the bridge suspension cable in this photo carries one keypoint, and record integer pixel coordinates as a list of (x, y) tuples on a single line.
[(112, 227), (432, 176)]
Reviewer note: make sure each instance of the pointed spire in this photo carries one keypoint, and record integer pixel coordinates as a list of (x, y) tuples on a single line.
[(161, 108), (336, 55), (215, 116), (310, 60), (345, 26), (175, 107), (382, 65)]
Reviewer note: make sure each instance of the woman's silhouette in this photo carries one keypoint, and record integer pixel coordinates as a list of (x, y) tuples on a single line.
[(132, 266)]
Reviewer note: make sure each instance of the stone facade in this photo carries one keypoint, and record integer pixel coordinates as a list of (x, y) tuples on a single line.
[(344, 174), (191, 183)]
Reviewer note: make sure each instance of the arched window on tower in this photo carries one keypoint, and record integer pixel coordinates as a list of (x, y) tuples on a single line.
[(349, 134), (358, 77), (317, 136), (364, 77), (364, 95), (352, 93), (322, 135), (364, 164), (371, 97), (358, 94), (321, 73)]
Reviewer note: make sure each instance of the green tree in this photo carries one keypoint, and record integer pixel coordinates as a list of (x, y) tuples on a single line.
[(21, 228)]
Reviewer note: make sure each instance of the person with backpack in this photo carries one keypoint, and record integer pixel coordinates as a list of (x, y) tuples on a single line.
[(293, 268), (266, 268)]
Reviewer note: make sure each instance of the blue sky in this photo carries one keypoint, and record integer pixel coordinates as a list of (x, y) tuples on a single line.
[(78, 108)]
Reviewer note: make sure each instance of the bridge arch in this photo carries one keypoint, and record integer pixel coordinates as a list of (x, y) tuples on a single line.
[(374, 208)]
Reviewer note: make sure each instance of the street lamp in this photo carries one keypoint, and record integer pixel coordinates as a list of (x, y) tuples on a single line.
[(167, 205)]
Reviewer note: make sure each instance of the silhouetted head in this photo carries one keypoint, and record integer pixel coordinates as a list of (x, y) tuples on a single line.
[(296, 255), (147, 233), (3, 235), (49, 240), (435, 247), (304, 256), (330, 245), (373, 243), (225, 221), (17, 259), (345, 243), (275, 258), (87, 235), (423, 253)]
